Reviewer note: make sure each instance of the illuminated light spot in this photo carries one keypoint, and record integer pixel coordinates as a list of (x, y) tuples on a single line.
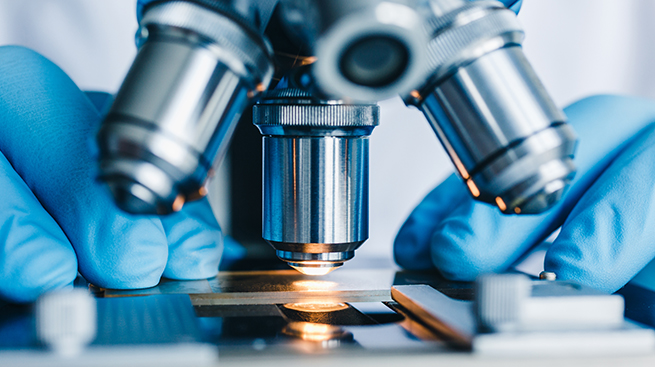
[(313, 270), (517, 210), (316, 307), (178, 203), (501, 204), (260, 87), (416, 94), (474, 189), (312, 331), (313, 285)]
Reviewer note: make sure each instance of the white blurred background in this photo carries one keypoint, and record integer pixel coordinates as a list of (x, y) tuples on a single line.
[(578, 48)]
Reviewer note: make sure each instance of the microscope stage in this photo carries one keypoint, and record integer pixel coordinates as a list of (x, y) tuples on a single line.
[(284, 318)]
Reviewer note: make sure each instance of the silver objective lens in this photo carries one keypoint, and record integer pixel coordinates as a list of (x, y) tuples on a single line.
[(194, 74), (315, 177), (366, 50), (503, 132)]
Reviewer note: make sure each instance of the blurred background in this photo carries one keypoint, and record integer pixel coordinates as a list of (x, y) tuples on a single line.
[(578, 48)]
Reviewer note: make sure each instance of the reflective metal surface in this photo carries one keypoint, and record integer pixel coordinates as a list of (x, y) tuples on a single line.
[(451, 318), (315, 177), (174, 115), (277, 287), (563, 329), (316, 191), (506, 137)]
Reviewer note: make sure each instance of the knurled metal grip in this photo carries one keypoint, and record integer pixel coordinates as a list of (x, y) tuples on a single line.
[(253, 52), (316, 115), (294, 108), (462, 35)]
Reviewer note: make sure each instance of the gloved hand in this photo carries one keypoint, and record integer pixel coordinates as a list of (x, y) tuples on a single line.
[(514, 5), (55, 219), (607, 215)]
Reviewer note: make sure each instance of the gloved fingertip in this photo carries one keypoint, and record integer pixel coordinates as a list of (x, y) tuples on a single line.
[(567, 259), (49, 272), (195, 242), (451, 253), (607, 237), (197, 258), (477, 239), (412, 243), (140, 267), (568, 264), (35, 255), (130, 253)]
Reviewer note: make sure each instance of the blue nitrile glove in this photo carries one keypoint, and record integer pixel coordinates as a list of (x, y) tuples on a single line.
[(513, 5), (55, 219), (607, 216)]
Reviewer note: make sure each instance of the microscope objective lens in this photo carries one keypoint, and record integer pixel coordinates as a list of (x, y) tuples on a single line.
[(374, 61)]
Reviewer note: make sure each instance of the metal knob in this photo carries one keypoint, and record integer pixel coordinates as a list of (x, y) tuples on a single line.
[(66, 321)]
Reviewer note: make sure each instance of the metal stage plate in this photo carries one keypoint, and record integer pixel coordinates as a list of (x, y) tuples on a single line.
[(278, 287)]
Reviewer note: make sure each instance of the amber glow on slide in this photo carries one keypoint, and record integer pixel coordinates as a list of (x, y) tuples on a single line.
[(312, 270)]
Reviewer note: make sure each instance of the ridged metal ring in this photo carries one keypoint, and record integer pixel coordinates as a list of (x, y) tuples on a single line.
[(337, 116), (256, 54), (457, 35)]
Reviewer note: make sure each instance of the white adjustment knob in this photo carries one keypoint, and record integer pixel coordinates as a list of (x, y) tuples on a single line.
[(499, 300), (513, 302), (66, 321)]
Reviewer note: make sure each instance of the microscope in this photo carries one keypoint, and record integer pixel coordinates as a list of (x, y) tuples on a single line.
[(201, 63)]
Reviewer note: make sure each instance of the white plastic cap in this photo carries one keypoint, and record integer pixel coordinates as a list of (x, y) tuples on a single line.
[(66, 321)]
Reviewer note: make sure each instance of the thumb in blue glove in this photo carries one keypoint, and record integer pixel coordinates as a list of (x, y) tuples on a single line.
[(55, 219)]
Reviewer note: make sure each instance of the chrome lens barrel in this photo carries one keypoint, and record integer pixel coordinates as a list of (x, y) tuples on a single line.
[(315, 177), (194, 74), (503, 132), (366, 50)]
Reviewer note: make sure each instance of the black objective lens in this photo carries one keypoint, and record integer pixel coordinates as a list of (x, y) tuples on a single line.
[(374, 61)]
